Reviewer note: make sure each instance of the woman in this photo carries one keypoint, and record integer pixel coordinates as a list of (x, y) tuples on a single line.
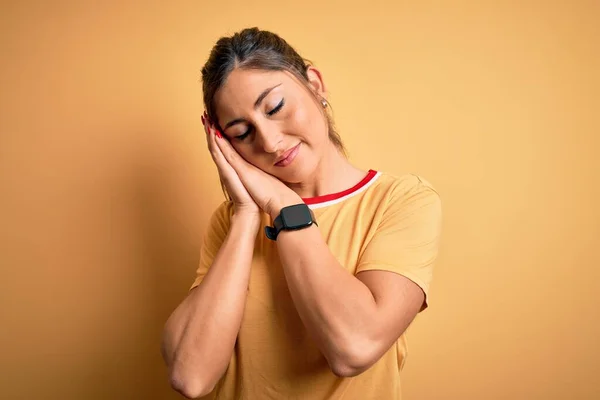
[(313, 269)]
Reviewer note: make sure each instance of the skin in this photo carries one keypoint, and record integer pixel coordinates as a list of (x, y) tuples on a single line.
[(353, 322)]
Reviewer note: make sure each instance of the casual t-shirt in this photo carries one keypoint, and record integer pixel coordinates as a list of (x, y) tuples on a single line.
[(382, 223)]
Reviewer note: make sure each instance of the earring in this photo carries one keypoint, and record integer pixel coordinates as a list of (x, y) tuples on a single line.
[(324, 102)]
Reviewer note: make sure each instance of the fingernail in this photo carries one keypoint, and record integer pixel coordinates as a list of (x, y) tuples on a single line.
[(218, 134)]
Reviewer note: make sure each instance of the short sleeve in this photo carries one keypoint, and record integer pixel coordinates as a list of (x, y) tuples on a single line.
[(407, 237), (213, 238)]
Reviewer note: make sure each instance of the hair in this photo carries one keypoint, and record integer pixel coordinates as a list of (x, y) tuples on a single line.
[(252, 48)]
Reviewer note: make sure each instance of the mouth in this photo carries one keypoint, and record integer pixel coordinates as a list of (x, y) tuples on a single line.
[(287, 157)]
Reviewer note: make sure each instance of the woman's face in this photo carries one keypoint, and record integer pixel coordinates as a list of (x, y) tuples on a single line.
[(274, 122)]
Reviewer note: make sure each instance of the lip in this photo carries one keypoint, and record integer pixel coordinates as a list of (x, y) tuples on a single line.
[(287, 157)]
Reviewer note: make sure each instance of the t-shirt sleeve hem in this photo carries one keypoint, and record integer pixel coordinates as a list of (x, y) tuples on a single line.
[(196, 283), (373, 266)]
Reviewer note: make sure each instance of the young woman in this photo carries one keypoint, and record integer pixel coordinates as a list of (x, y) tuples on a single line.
[(313, 269)]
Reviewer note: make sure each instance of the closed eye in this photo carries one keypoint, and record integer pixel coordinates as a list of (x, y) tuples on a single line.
[(277, 108), (274, 111), (244, 135)]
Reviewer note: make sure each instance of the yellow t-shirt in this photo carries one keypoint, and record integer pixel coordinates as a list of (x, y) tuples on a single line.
[(382, 223)]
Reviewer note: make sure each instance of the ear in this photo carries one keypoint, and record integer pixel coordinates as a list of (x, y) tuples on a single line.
[(315, 80)]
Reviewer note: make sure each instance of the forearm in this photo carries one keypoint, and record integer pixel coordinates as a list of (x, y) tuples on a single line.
[(337, 309), (200, 334)]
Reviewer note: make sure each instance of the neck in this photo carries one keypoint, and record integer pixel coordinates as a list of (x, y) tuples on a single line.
[(333, 174)]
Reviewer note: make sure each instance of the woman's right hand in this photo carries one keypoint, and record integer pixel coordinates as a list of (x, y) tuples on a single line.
[(243, 202)]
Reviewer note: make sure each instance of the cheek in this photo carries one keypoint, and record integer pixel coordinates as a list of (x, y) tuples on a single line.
[(309, 123)]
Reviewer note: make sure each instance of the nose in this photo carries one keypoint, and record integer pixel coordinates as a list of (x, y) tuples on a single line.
[(270, 140)]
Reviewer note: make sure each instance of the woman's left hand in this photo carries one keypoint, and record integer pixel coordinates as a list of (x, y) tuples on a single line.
[(268, 192)]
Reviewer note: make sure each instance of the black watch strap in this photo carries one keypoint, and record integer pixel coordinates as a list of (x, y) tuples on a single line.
[(273, 231), (295, 217)]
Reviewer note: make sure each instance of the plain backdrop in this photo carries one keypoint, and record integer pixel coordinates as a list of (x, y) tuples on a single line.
[(106, 185)]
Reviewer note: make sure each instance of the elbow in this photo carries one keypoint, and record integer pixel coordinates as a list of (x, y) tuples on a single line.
[(191, 388), (343, 370), (352, 361)]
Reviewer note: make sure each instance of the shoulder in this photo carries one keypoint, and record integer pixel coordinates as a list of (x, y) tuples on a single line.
[(224, 209), (220, 218), (406, 189)]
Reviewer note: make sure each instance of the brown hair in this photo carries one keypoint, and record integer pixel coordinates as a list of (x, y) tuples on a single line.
[(252, 48)]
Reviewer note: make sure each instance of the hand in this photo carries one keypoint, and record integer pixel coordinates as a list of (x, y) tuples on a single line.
[(243, 202), (268, 192)]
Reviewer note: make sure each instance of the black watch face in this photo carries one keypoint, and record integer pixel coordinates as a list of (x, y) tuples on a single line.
[(296, 216)]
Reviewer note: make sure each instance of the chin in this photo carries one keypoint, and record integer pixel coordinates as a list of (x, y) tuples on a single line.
[(294, 173)]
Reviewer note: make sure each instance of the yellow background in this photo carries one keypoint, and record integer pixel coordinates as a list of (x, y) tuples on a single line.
[(106, 184)]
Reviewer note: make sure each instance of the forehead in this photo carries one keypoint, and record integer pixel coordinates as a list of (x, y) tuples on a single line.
[(243, 86)]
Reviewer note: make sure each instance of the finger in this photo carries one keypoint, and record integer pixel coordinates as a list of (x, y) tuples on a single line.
[(229, 153), (210, 129), (243, 168), (215, 150), (227, 174)]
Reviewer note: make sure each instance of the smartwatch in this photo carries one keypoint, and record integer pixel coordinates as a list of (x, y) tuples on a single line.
[(291, 218)]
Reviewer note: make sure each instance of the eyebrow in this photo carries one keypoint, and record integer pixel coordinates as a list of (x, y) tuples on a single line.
[(259, 100)]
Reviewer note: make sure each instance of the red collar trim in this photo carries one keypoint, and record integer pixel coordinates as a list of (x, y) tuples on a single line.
[(335, 196)]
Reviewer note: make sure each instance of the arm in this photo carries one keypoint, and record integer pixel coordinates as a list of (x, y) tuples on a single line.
[(356, 320), (200, 334)]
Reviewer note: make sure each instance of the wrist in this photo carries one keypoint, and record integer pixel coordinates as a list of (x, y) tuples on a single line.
[(288, 200), (243, 230), (249, 219)]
